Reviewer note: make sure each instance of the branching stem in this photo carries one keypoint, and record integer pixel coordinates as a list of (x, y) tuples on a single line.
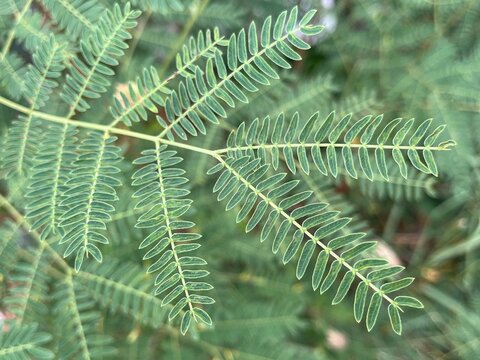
[(102, 128)]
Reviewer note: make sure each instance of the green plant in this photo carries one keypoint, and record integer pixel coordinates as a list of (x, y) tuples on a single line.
[(66, 164)]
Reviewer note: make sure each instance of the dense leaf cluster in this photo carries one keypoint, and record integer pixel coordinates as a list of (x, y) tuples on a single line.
[(104, 178)]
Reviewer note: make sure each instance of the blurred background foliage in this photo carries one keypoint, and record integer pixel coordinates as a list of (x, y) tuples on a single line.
[(403, 58)]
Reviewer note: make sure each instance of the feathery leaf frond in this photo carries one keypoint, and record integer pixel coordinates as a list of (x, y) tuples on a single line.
[(12, 71), (76, 316), (77, 17), (243, 183), (203, 95), (9, 233), (40, 80), (63, 170), (145, 93), (124, 288), (163, 199), (50, 173), (23, 342), (321, 139), (417, 186), (90, 192), (160, 6), (31, 30), (28, 294), (89, 77)]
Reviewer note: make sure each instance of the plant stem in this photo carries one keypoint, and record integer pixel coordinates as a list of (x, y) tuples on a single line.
[(102, 128), (324, 145)]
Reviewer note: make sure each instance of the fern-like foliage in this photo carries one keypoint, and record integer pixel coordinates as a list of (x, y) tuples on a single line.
[(28, 295), (91, 190), (88, 77), (9, 234), (8, 7), (40, 80), (147, 92), (11, 74), (220, 84), (123, 288), (77, 17), (163, 201), (78, 321), (64, 175), (25, 342), (245, 184), (416, 187), (321, 139), (49, 176), (31, 30)]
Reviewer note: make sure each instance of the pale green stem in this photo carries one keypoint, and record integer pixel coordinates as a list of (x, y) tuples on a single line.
[(170, 233), (102, 128), (324, 145)]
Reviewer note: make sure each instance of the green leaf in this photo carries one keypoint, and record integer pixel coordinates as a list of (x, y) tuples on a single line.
[(396, 285), (384, 273), (203, 316), (331, 276), (395, 319), (344, 240), (339, 128), (360, 300), (319, 269), (331, 227), (332, 160), (373, 310), (186, 320), (408, 301), (293, 246), (343, 287), (305, 257)]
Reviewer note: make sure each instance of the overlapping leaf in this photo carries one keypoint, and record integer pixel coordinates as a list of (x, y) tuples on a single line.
[(122, 287), (77, 17), (28, 293), (50, 172), (12, 70), (160, 6), (77, 320)]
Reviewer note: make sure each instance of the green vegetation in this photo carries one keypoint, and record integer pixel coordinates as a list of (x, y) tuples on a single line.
[(123, 123)]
